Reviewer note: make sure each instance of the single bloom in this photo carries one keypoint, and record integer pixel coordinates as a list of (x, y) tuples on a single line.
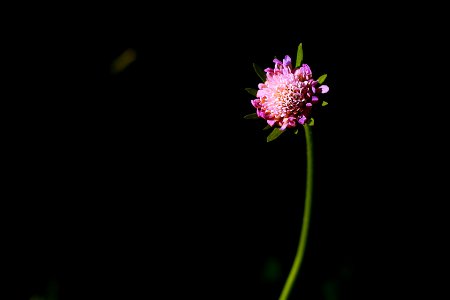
[(288, 95)]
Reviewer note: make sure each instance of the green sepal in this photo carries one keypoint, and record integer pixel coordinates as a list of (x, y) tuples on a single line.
[(260, 72), (299, 59), (276, 132), (251, 116), (321, 79), (251, 91)]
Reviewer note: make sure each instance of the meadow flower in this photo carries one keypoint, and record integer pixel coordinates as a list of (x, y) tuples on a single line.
[(288, 95), (286, 99)]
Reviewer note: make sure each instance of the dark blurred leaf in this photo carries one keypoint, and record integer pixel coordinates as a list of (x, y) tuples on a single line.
[(331, 290), (272, 270), (123, 61), (267, 127)]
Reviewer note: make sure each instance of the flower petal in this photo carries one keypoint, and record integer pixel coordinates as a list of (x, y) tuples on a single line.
[(324, 89)]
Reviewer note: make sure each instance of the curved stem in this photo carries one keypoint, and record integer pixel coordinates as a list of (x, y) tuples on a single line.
[(306, 217)]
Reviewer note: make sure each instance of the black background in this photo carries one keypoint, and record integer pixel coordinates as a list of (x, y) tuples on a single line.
[(150, 183)]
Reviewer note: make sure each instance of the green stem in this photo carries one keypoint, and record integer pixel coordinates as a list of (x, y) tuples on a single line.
[(306, 217)]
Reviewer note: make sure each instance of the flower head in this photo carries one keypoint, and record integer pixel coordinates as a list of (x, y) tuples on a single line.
[(288, 95)]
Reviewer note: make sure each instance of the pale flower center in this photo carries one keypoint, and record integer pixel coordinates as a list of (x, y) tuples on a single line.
[(288, 100)]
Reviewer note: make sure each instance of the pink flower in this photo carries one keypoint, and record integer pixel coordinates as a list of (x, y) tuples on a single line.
[(288, 95)]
